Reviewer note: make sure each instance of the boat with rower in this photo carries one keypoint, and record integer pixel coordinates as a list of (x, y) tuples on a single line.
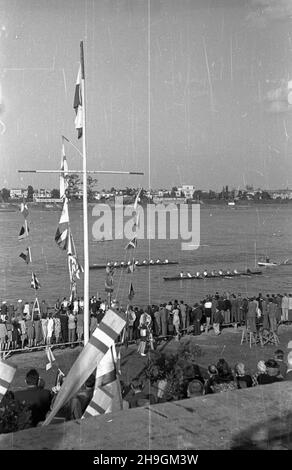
[(213, 275), (267, 263), (125, 264)]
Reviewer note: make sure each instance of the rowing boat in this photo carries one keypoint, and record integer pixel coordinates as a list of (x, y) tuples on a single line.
[(123, 264), (186, 277)]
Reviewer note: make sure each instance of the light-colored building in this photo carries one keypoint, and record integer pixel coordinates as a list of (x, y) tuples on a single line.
[(280, 193), (18, 193), (187, 190)]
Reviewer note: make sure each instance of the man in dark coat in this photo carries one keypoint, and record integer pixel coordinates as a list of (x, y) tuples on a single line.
[(36, 398)]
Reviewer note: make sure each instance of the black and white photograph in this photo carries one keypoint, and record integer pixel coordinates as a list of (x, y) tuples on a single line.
[(145, 229)]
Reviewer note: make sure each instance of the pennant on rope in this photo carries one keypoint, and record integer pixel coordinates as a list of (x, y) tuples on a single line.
[(131, 292), (64, 169), (64, 219), (106, 387), (61, 238), (50, 357), (77, 105), (26, 255), (99, 343), (35, 284), (24, 231), (7, 373), (132, 244), (24, 209)]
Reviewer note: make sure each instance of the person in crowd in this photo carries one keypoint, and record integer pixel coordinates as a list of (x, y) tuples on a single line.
[(224, 381), (288, 374), (272, 310), (164, 319), (44, 320), (38, 335), (131, 321), (290, 307), (71, 328), (285, 307), (64, 325), (10, 312), (80, 326), (38, 399), (144, 326), (81, 400), (271, 375), (93, 323), (23, 331), (19, 309), (29, 330), (26, 309), (218, 320), (251, 318), (15, 332), (195, 389), (183, 314), (3, 335), (208, 312), (64, 304), (212, 373), (261, 369), (176, 322), (195, 319), (57, 305), (243, 379), (57, 327), (279, 358), (136, 393), (50, 328)]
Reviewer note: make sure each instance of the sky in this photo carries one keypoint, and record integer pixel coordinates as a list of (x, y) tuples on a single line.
[(187, 91)]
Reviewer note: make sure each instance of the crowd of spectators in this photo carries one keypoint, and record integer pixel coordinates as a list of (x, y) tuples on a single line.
[(24, 326)]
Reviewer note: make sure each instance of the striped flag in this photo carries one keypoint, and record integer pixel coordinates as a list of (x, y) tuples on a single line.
[(100, 341), (132, 244), (7, 373), (64, 219), (23, 232), (77, 105), (26, 255), (106, 387), (24, 209), (50, 357), (35, 284), (62, 238), (131, 292)]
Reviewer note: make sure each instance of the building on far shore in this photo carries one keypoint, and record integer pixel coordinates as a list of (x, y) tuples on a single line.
[(18, 193)]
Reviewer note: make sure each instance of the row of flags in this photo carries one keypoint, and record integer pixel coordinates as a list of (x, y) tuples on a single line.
[(26, 254)]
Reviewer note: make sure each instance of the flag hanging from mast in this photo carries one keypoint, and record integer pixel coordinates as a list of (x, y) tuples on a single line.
[(131, 292), (100, 341), (77, 105), (23, 232), (26, 255), (35, 284), (64, 219), (132, 244), (61, 238)]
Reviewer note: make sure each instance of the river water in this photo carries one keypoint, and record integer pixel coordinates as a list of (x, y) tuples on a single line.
[(229, 238)]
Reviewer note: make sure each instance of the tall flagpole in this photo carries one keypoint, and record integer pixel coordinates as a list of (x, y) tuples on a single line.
[(85, 214)]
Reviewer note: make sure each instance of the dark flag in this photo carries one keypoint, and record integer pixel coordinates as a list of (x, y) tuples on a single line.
[(62, 238), (131, 292), (77, 105), (26, 256), (23, 232)]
